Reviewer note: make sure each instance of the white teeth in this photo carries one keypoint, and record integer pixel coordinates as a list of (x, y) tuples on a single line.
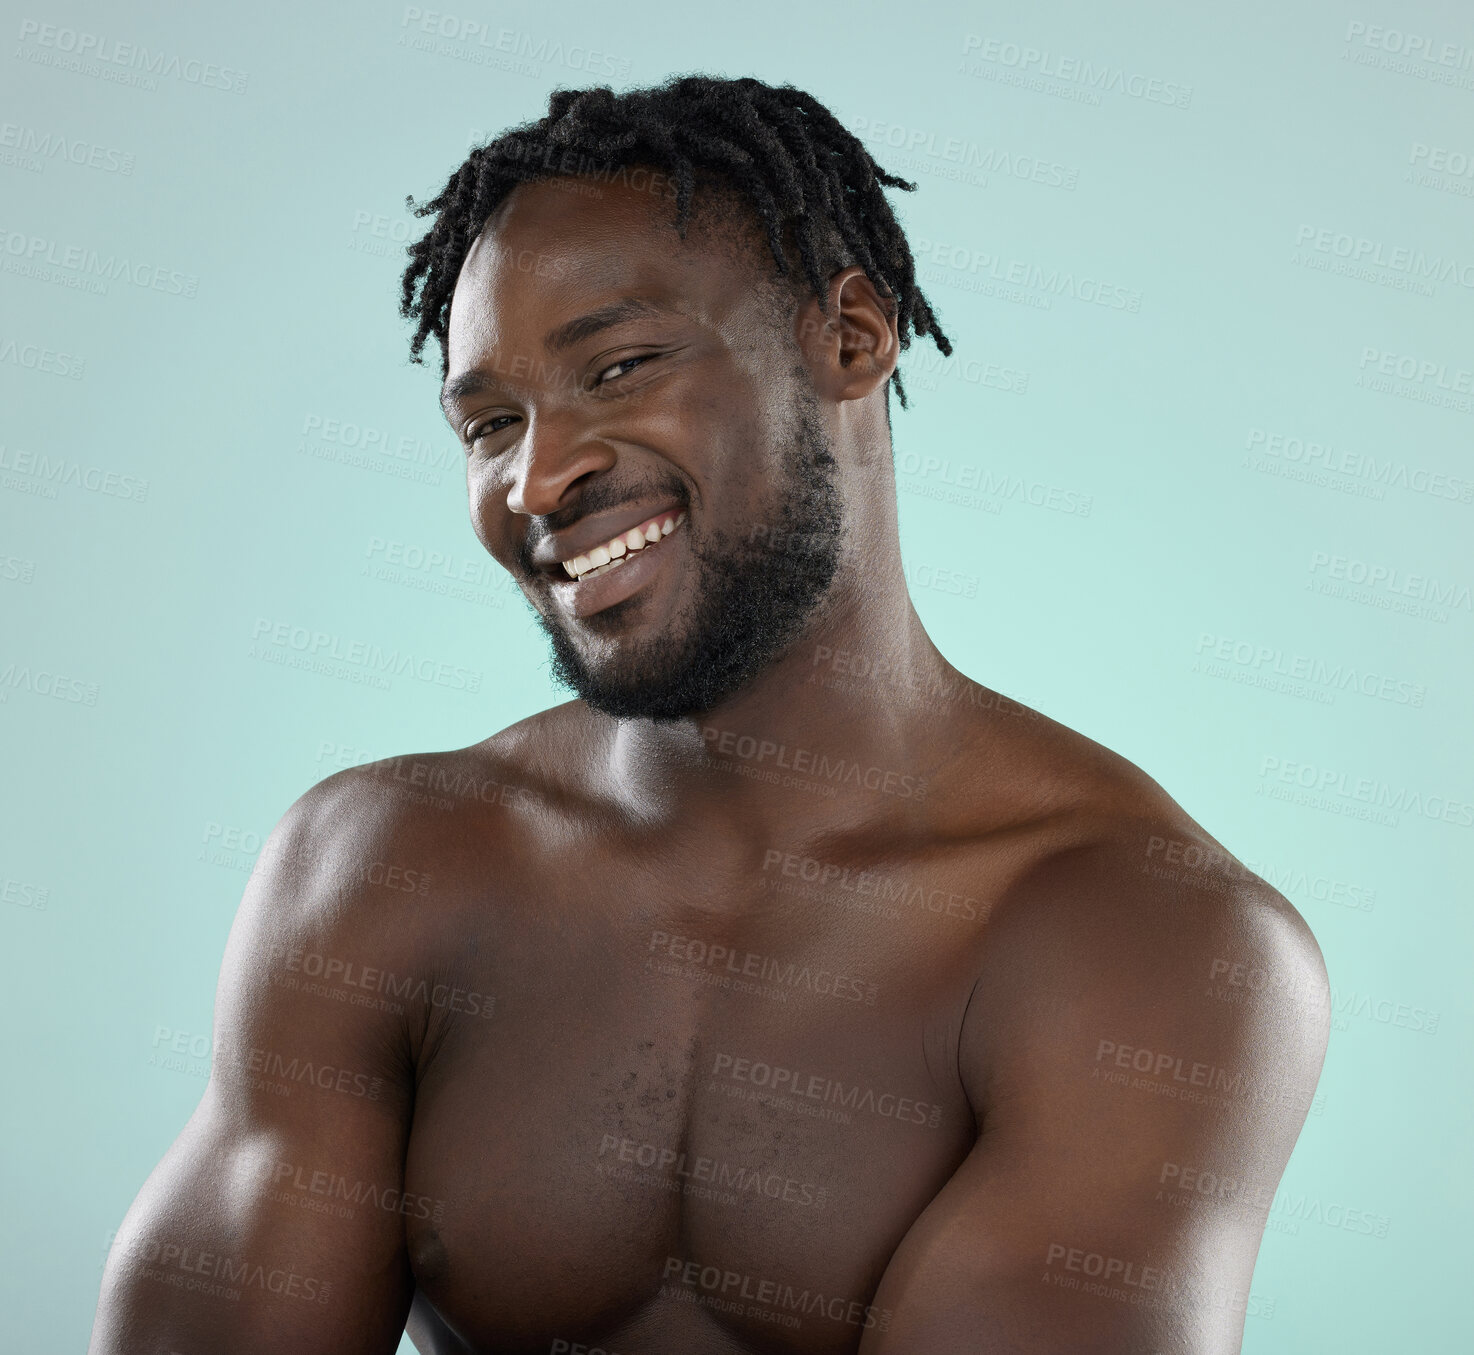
[(615, 551)]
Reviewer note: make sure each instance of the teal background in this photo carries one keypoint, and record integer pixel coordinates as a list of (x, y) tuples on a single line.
[(134, 801)]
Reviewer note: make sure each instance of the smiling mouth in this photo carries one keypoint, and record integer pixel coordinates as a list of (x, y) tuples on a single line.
[(618, 549)]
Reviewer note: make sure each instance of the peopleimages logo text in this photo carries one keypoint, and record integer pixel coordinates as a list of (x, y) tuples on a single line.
[(322, 645)]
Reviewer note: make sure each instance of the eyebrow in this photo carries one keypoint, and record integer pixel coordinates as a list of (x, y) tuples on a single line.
[(556, 340)]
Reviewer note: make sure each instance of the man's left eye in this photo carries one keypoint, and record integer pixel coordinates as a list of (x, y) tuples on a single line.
[(599, 381)]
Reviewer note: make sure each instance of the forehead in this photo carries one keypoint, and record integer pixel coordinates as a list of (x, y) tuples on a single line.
[(554, 245)]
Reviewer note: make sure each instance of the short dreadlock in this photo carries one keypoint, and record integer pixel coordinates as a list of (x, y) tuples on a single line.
[(773, 150)]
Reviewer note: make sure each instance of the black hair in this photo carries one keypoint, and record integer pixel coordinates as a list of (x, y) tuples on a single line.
[(782, 154)]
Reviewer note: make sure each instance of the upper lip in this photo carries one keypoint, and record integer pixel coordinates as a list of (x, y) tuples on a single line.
[(594, 530)]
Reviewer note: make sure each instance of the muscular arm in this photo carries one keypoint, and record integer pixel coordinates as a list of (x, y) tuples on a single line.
[(1145, 1051), (271, 1223)]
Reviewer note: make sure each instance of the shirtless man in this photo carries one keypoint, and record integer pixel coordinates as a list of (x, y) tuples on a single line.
[(788, 991)]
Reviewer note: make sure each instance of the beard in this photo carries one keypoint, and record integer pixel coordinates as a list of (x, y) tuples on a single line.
[(749, 599)]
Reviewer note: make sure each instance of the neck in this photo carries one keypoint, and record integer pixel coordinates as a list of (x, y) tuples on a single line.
[(845, 726)]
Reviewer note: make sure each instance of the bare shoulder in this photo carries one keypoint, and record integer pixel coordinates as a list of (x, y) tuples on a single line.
[(364, 893), (1117, 844), (1128, 922), (1138, 946), (1149, 886), (382, 855), (426, 800), (1145, 1012)]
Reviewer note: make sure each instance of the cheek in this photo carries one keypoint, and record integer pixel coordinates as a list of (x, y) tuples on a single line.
[(487, 508)]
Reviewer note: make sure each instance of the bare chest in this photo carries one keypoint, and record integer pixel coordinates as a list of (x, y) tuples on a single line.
[(677, 1131)]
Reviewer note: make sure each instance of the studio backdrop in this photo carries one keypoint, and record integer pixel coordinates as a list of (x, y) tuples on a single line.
[(1197, 481)]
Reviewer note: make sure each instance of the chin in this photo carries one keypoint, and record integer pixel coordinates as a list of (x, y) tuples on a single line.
[(620, 687), (652, 698)]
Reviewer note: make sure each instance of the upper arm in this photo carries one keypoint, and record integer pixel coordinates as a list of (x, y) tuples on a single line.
[(1144, 1051), (272, 1222)]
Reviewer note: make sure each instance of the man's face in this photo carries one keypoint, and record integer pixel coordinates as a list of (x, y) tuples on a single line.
[(690, 408)]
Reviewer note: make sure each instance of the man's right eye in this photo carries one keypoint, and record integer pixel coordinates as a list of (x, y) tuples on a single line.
[(483, 429)]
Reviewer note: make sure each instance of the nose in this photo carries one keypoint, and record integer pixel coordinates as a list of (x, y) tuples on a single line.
[(553, 454)]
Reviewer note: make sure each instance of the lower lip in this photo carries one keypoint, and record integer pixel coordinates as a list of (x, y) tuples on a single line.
[(584, 597)]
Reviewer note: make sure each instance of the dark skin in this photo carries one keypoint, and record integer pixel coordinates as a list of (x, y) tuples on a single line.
[(672, 1057)]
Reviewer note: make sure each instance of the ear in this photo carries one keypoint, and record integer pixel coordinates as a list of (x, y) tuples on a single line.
[(852, 350)]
